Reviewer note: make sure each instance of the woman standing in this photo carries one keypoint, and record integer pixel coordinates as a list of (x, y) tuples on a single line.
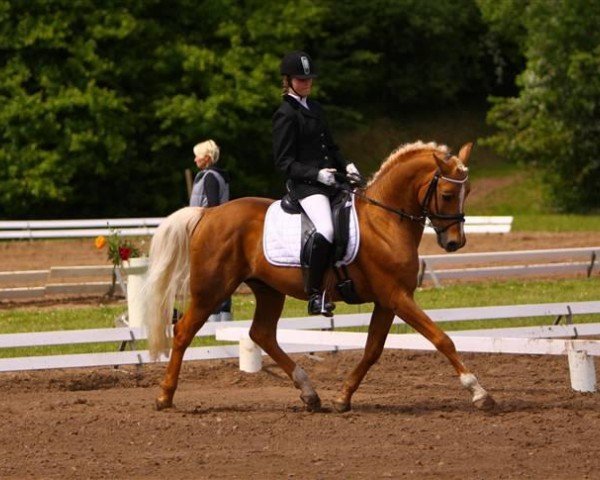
[(305, 152), (211, 188), (211, 184)]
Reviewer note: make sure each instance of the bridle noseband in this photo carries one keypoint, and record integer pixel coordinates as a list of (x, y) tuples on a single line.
[(426, 214)]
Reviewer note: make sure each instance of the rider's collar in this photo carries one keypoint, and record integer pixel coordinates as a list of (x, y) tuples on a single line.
[(301, 100)]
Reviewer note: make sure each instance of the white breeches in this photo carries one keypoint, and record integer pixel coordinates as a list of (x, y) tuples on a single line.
[(318, 209)]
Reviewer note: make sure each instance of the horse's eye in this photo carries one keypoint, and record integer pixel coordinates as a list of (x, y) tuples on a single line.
[(446, 197)]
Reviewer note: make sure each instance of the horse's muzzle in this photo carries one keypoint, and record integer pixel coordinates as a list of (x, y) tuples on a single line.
[(452, 246), (451, 243)]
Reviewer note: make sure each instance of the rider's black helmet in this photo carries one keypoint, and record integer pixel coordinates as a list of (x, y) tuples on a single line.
[(298, 65)]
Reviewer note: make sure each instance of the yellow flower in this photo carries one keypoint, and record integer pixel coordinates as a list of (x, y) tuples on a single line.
[(100, 242)]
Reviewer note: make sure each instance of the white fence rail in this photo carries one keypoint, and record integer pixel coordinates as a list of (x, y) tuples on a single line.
[(32, 229), (434, 268), (477, 224), (470, 266), (239, 329)]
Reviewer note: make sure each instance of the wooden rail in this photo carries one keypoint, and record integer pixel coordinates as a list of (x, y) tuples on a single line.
[(471, 266), (434, 268), (566, 310), (35, 229), (32, 229)]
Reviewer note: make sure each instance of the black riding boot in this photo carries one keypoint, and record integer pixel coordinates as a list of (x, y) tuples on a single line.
[(318, 259)]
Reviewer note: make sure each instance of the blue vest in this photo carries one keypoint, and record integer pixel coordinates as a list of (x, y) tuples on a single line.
[(199, 198)]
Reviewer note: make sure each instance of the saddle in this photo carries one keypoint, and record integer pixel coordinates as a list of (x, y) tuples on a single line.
[(341, 209)]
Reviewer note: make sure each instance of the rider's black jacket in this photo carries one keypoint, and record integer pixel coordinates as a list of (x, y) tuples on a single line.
[(303, 145)]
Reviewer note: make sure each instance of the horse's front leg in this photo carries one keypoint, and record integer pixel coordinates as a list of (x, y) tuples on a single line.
[(381, 321), (406, 308)]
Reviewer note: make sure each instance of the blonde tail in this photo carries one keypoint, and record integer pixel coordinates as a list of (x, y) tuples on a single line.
[(168, 275)]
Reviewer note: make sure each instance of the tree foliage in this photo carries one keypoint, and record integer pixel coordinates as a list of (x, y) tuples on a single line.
[(555, 121), (406, 52), (100, 105), (101, 102)]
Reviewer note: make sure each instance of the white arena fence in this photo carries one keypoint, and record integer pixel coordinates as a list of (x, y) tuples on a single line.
[(37, 229), (298, 335), (509, 264), (434, 268)]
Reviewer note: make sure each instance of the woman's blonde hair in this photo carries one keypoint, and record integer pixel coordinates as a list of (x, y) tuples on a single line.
[(208, 147)]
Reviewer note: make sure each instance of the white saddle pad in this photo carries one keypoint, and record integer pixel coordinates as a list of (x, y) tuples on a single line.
[(281, 237)]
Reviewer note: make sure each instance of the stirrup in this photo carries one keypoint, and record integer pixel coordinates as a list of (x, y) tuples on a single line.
[(317, 305)]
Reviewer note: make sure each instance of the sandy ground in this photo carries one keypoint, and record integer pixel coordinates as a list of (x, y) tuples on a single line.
[(411, 417)]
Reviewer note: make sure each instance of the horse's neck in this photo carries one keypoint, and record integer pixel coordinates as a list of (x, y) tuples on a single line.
[(399, 187)]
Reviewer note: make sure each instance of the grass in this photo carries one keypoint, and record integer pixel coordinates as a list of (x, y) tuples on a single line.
[(524, 197), (464, 295), (557, 223)]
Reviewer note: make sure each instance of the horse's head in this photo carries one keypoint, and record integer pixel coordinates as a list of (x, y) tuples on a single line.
[(444, 198)]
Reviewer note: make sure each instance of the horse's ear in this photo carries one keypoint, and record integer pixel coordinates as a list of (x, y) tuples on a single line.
[(465, 152), (442, 162)]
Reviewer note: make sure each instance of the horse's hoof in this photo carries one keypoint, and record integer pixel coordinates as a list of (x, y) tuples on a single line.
[(486, 403), (341, 406), (163, 403), (313, 403)]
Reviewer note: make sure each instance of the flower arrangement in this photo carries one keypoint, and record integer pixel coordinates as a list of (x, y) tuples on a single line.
[(119, 249)]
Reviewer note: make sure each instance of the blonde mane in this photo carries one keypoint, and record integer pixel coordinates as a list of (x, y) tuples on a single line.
[(398, 154)]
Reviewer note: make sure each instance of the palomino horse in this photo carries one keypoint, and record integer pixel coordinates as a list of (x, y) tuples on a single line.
[(218, 248)]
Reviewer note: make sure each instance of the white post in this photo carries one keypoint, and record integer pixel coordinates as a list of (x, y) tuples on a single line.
[(250, 356), (582, 370), (136, 269)]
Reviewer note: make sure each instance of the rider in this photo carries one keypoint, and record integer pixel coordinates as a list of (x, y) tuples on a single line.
[(305, 152)]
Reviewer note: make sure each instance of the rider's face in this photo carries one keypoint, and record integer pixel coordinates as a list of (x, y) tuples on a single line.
[(302, 86)]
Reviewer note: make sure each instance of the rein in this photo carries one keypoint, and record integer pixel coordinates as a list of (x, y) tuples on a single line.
[(425, 213), (400, 213)]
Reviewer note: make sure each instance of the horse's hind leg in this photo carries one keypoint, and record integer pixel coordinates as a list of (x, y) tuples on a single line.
[(184, 332), (269, 304), (381, 320), (411, 313)]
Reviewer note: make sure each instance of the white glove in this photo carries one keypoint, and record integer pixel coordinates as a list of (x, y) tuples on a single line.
[(326, 176), (353, 176), (351, 169)]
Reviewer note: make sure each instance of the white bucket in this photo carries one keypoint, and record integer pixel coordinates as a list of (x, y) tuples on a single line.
[(136, 269), (582, 370), (250, 356)]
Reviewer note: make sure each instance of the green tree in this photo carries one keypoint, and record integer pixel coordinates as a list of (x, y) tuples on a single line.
[(57, 113), (405, 53), (100, 104), (554, 123)]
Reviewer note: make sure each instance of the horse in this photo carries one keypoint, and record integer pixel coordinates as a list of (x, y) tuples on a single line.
[(209, 252)]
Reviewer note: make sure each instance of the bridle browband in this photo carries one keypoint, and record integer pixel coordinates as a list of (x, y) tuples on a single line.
[(426, 214)]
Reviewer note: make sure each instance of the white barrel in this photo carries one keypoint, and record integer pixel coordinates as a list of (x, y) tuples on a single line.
[(582, 370), (250, 356), (136, 269)]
